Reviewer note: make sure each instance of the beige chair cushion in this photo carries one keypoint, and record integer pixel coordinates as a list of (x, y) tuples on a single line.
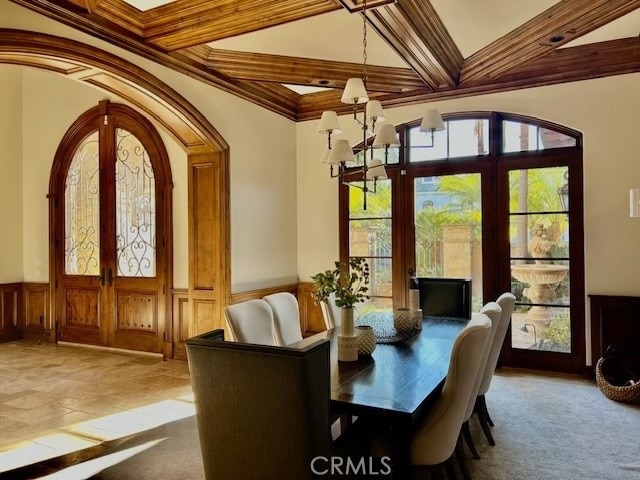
[(506, 301), (435, 439), (286, 317), (493, 311), (251, 322)]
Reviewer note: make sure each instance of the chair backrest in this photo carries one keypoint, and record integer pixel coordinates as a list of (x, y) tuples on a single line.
[(286, 317), (493, 311), (262, 411), (251, 322), (444, 297), (507, 301), (331, 312), (435, 439)]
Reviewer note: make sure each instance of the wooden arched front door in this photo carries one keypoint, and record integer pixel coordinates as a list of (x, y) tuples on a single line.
[(112, 251)]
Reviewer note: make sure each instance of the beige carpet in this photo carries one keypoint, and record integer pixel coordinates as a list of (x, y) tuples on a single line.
[(560, 428)]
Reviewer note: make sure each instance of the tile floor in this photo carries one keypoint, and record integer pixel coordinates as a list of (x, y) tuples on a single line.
[(58, 399)]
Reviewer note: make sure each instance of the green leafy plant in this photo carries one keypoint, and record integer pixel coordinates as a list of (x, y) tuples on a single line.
[(348, 281)]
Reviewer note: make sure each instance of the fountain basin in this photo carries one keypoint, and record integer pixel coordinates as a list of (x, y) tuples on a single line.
[(535, 274)]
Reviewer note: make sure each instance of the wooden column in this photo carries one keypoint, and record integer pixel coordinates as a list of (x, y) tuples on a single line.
[(209, 270)]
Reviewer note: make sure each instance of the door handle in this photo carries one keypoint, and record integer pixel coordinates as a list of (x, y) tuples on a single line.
[(410, 271), (102, 277), (110, 277)]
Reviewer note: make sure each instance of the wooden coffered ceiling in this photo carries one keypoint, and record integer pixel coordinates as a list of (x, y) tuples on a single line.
[(251, 48)]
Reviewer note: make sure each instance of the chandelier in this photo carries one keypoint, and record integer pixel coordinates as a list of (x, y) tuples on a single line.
[(339, 154)]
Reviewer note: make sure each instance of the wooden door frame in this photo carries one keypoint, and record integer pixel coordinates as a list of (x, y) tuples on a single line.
[(113, 75)]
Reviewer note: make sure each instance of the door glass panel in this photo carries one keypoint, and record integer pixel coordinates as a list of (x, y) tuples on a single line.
[(135, 208), (448, 226), (370, 237), (540, 263), (82, 206)]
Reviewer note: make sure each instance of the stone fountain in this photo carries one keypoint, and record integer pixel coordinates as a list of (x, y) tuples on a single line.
[(541, 277)]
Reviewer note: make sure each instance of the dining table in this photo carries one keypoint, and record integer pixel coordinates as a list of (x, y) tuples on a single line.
[(396, 386)]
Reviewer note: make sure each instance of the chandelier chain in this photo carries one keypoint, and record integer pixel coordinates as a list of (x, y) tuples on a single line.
[(364, 42)]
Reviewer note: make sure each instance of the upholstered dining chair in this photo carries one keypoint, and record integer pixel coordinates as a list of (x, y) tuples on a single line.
[(493, 311), (506, 301), (251, 322), (286, 317), (435, 440), (262, 411), (331, 312)]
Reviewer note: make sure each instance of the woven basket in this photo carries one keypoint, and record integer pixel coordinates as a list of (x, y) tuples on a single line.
[(627, 394)]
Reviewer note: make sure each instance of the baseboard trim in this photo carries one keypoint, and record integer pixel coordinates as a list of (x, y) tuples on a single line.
[(111, 349)]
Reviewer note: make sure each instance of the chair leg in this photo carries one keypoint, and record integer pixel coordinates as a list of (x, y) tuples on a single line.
[(462, 461), (345, 423), (466, 433), (485, 428), (483, 408)]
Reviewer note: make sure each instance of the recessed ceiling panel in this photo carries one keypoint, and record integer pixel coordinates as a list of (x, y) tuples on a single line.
[(475, 24), (624, 27), (304, 89), (333, 36), (144, 5)]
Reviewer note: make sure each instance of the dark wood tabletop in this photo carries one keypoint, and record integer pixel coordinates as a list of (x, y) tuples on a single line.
[(399, 381), (395, 388)]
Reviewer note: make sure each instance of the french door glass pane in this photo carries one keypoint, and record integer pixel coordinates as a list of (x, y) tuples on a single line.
[(448, 226), (135, 208), (370, 237), (82, 207), (540, 263)]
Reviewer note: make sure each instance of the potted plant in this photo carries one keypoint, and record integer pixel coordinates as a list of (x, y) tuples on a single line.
[(349, 283)]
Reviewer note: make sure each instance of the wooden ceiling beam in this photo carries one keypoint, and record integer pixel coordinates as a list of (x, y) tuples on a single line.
[(414, 30), (584, 62), (303, 71), (272, 97), (566, 20), (208, 21)]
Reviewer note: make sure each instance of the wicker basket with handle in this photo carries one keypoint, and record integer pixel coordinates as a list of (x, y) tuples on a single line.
[(626, 393)]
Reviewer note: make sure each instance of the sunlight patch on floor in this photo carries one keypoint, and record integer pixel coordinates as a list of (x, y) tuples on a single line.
[(92, 467), (94, 432)]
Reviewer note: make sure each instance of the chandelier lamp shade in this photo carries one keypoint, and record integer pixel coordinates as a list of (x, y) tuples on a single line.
[(432, 122), (367, 113)]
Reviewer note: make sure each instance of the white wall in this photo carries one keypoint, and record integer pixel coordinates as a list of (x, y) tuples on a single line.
[(10, 174), (263, 167), (605, 110)]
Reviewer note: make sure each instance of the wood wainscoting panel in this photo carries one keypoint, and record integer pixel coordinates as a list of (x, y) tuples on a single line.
[(180, 302), (11, 318), (36, 310), (615, 320), (263, 292), (310, 314)]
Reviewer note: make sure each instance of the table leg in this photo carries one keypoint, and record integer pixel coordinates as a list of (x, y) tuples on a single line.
[(401, 452)]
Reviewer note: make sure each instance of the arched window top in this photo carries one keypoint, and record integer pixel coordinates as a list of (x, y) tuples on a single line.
[(476, 134), (522, 134)]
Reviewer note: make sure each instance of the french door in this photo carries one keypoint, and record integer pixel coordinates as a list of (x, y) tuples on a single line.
[(110, 223), (540, 260), (497, 199)]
